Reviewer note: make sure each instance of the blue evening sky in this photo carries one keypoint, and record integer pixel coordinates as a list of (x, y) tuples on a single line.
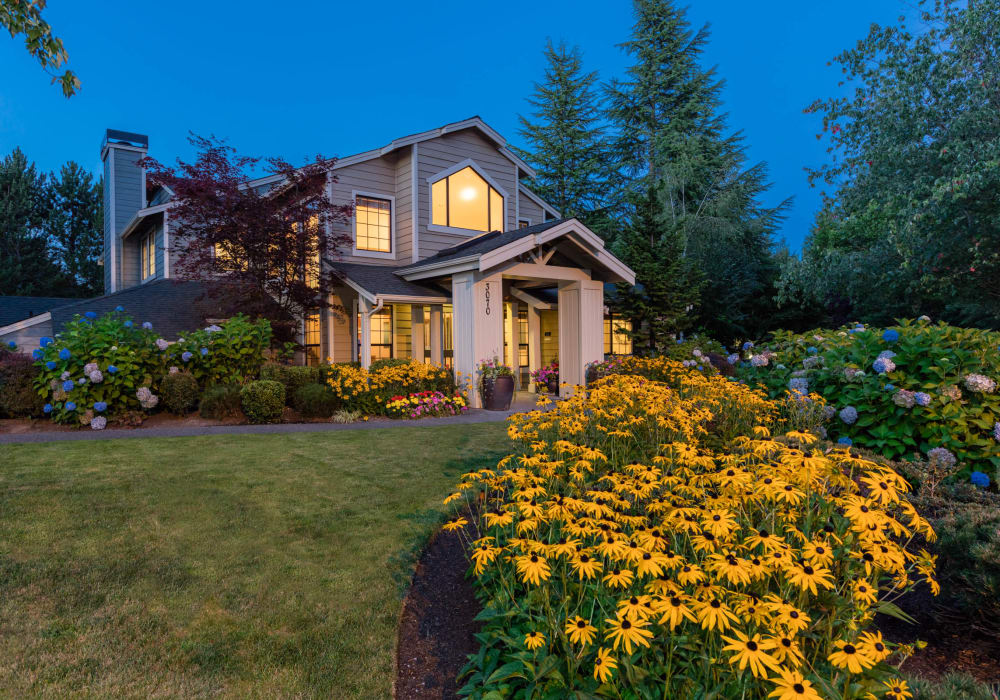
[(337, 78)]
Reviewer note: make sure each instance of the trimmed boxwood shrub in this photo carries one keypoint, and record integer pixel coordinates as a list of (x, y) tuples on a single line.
[(179, 392), (221, 401), (291, 376), (263, 401), (18, 397), (315, 401)]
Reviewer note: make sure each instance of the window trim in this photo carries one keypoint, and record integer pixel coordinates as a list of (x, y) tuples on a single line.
[(150, 239), (391, 255), (467, 163)]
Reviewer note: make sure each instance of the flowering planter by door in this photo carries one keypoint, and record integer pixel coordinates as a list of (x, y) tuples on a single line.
[(552, 385), (498, 393)]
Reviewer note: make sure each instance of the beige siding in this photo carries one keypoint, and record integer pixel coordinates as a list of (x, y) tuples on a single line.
[(402, 331), (28, 339), (530, 211), (438, 154), (550, 336), (377, 176)]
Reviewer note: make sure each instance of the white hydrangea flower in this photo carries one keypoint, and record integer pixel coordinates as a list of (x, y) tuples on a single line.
[(98, 423), (162, 344), (979, 383), (96, 376)]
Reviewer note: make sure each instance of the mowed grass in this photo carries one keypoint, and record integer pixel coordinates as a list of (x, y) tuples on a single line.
[(230, 566)]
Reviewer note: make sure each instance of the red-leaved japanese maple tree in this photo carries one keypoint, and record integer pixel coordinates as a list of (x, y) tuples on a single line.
[(259, 248)]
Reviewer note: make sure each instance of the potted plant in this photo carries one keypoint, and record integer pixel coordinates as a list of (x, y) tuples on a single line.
[(496, 384), (547, 378)]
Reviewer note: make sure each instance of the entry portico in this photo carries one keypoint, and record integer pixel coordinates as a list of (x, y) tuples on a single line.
[(494, 295)]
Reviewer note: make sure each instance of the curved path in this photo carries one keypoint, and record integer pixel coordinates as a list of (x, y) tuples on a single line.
[(522, 403)]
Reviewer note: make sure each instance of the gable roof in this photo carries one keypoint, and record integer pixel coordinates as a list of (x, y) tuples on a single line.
[(471, 123), (483, 243), (14, 309), (372, 281)]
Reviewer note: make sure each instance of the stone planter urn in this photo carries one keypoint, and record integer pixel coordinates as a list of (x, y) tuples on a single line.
[(497, 393), (552, 385)]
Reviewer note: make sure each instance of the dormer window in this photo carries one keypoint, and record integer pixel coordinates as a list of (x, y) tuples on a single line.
[(464, 199)]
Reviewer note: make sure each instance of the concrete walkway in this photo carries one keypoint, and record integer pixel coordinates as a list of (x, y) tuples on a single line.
[(521, 404)]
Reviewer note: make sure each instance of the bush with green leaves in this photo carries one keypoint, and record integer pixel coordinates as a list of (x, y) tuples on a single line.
[(900, 391), (229, 353), (179, 392), (292, 376), (221, 402), (18, 397), (263, 401), (315, 401), (97, 365)]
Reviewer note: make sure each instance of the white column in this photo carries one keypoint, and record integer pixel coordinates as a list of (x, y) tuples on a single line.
[(534, 342), (417, 332), (365, 355), (329, 321), (581, 330), (478, 324), (437, 334)]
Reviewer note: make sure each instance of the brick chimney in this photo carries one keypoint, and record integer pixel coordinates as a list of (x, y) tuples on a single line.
[(124, 195)]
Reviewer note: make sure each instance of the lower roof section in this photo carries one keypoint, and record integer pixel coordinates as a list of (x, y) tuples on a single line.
[(373, 281)]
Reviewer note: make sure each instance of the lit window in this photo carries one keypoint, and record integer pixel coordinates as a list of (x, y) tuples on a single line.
[(310, 339), (523, 223), (373, 227), (617, 336), (147, 255), (465, 200)]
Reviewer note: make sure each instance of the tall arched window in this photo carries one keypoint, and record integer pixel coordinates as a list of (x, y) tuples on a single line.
[(464, 199)]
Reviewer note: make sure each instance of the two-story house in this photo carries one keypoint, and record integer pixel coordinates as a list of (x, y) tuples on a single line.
[(453, 259)]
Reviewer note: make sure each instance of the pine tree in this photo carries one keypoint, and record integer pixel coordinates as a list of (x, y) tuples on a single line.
[(668, 284), (26, 264), (564, 134), (669, 135), (74, 226)]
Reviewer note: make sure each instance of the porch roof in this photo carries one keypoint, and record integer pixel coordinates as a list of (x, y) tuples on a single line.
[(375, 281), (484, 243)]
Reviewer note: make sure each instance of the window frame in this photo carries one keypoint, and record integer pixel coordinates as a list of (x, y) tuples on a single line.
[(391, 255), (147, 256), (306, 338), (523, 220), (467, 163)]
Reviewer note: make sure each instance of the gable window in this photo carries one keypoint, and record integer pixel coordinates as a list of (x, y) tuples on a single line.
[(373, 224), (147, 255), (466, 200)]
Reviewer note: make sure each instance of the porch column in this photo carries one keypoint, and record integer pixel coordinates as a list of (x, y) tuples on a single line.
[(581, 330), (534, 343), (365, 354), (417, 332), (477, 331), (437, 335), (515, 343), (329, 321)]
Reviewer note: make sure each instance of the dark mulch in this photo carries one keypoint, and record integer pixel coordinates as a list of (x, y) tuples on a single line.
[(437, 624), (954, 645)]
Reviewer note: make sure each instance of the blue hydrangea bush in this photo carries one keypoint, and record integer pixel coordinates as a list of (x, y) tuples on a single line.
[(900, 391), (100, 366)]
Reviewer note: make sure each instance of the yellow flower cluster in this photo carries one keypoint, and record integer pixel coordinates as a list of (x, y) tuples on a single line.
[(631, 545), (368, 391)]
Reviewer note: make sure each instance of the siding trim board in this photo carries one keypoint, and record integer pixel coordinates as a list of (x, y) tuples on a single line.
[(21, 325), (414, 209)]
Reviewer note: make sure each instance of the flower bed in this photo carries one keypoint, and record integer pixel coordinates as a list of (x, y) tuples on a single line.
[(619, 548), (101, 366), (426, 404), (370, 391), (912, 388)]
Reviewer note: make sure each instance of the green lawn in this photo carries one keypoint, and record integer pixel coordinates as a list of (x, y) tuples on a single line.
[(240, 566)]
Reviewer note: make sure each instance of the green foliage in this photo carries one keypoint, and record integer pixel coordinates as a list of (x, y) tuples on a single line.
[(292, 376), (18, 398), (315, 401), (913, 226), (27, 266), (564, 135), (74, 227), (263, 401), (221, 402), (385, 362), (179, 392), (124, 355), (25, 17), (952, 686), (933, 359), (228, 354)]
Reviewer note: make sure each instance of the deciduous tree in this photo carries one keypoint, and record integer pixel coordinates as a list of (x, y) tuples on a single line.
[(25, 17)]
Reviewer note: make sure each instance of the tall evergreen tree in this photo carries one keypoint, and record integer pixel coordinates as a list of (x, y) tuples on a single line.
[(26, 263), (74, 226), (669, 136), (668, 283), (565, 136)]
